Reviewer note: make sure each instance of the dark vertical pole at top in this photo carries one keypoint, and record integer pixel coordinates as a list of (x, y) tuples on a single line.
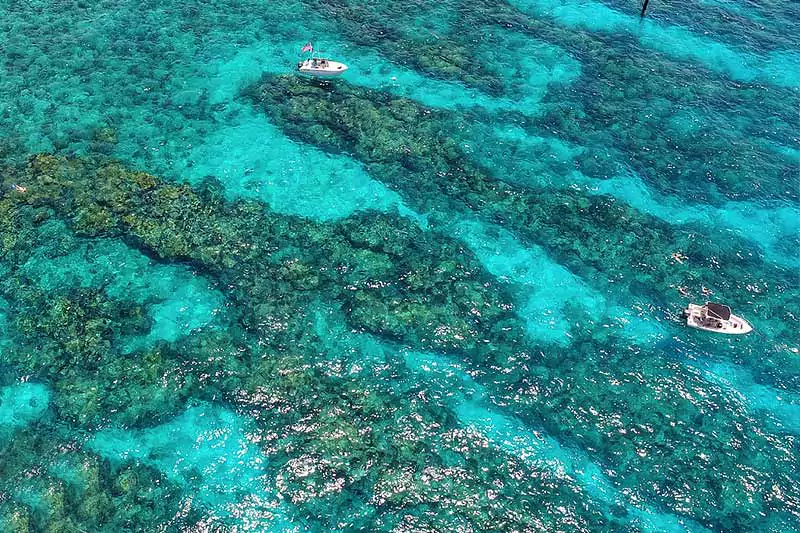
[(644, 8)]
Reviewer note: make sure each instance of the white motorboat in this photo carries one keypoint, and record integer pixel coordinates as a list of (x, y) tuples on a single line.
[(717, 318), (316, 66)]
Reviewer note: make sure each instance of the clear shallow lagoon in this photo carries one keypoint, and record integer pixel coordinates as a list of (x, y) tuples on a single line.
[(437, 294)]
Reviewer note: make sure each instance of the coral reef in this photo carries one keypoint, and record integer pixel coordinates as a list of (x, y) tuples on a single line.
[(80, 492), (339, 420), (274, 274), (409, 148), (668, 118), (172, 359), (672, 124), (256, 253), (440, 55)]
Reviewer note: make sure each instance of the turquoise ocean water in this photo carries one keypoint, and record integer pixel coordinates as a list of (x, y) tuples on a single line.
[(439, 293)]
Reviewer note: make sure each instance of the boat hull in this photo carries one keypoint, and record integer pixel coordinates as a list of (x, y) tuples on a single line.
[(331, 68)]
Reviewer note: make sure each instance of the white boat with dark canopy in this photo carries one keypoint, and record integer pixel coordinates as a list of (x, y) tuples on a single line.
[(318, 66), (717, 318)]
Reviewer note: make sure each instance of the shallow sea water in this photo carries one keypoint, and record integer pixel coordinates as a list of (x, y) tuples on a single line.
[(435, 294)]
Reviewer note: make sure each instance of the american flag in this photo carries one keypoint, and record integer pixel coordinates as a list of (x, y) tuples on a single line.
[(308, 47)]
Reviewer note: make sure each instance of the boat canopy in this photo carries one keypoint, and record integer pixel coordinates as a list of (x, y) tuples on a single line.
[(722, 312)]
